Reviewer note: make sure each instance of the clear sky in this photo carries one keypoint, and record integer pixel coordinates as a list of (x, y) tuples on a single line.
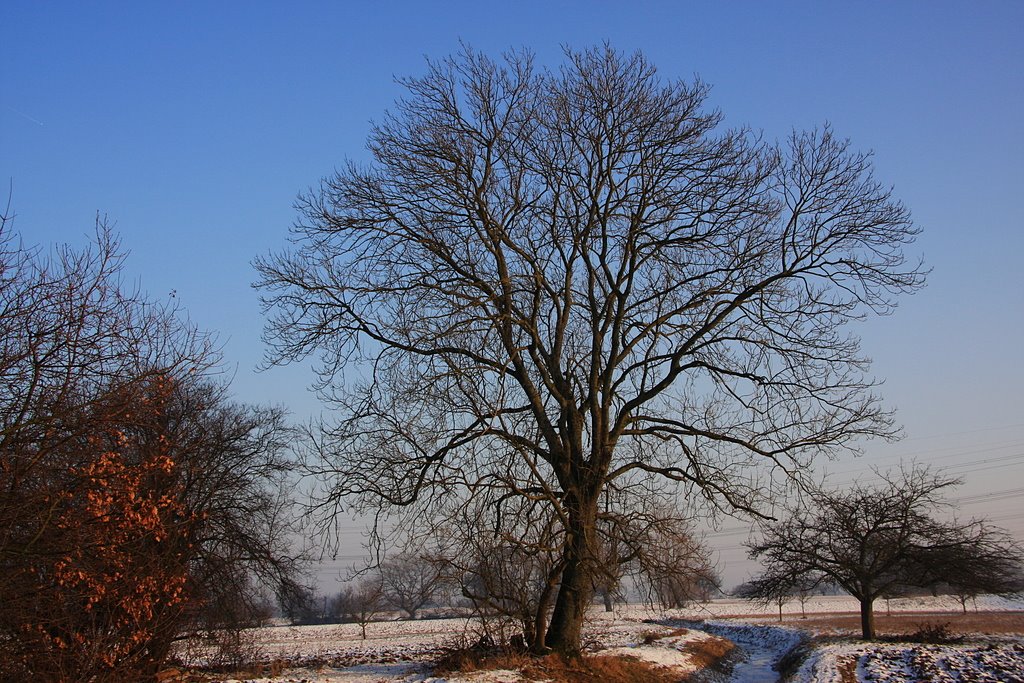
[(193, 125)]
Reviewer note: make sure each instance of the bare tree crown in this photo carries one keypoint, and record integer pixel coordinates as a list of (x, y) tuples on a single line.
[(559, 261)]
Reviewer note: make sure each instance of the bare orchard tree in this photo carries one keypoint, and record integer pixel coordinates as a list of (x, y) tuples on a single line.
[(580, 271), (360, 602), (410, 581), (880, 540), (778, 588), (677, 569), (993, 565)]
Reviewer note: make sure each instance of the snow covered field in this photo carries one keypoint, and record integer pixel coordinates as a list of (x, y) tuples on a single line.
[(398, 650)]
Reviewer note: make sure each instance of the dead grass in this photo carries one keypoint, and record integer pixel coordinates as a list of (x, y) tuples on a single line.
[(648, 637), (557, 669), (708, 652), (847, 667), (256, 669)]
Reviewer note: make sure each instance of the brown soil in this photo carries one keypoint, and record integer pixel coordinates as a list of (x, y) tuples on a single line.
[(910, 622), (593, 668)]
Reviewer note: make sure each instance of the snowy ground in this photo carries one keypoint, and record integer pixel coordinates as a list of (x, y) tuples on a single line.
[(995, 661), (399, 650)]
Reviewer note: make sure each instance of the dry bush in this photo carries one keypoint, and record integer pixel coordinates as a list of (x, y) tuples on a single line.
[(648, 637), (594, 668), (847, 669), (137, 502), (937, 633), (470, 659), (586, 669), (233, 650)]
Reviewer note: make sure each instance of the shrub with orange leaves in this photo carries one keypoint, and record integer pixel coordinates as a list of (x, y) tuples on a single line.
[(117, 577), (137, 504), (149, 527)]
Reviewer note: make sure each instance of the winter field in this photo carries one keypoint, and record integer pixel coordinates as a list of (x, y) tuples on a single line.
[(821, 648)]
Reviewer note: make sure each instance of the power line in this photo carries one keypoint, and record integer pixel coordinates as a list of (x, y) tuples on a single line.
[(960, 452), (992, 496)]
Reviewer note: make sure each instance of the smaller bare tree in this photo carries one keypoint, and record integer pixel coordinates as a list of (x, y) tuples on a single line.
[(359, 603), (678, 571), (410, 581), (778, 589), (985, 567), (506, 565), (877, 540), (654, 542)]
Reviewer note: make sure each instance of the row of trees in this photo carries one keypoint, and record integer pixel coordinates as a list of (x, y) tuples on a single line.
[(887, 539), (406, 583), (139, 505), (498, 581)]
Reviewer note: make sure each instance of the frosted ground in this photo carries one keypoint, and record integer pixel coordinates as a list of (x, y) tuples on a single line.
[(400, 650)]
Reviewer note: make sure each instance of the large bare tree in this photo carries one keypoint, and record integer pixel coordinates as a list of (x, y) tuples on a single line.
[(554, 282)]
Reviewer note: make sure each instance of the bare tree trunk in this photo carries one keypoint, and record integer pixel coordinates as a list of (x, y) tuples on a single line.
[(577, 587), (867, 618), (574, 596), (608, 605), (540, 621)]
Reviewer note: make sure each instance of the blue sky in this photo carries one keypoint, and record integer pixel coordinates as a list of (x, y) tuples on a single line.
[(194, 125)]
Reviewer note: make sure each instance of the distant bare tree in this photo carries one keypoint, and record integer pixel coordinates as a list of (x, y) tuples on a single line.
[(992, 565), (410, 581), (677, 570), (778, 589), (642, 534), (878, 540), (552, 281), (765, 590), (361, 602)]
